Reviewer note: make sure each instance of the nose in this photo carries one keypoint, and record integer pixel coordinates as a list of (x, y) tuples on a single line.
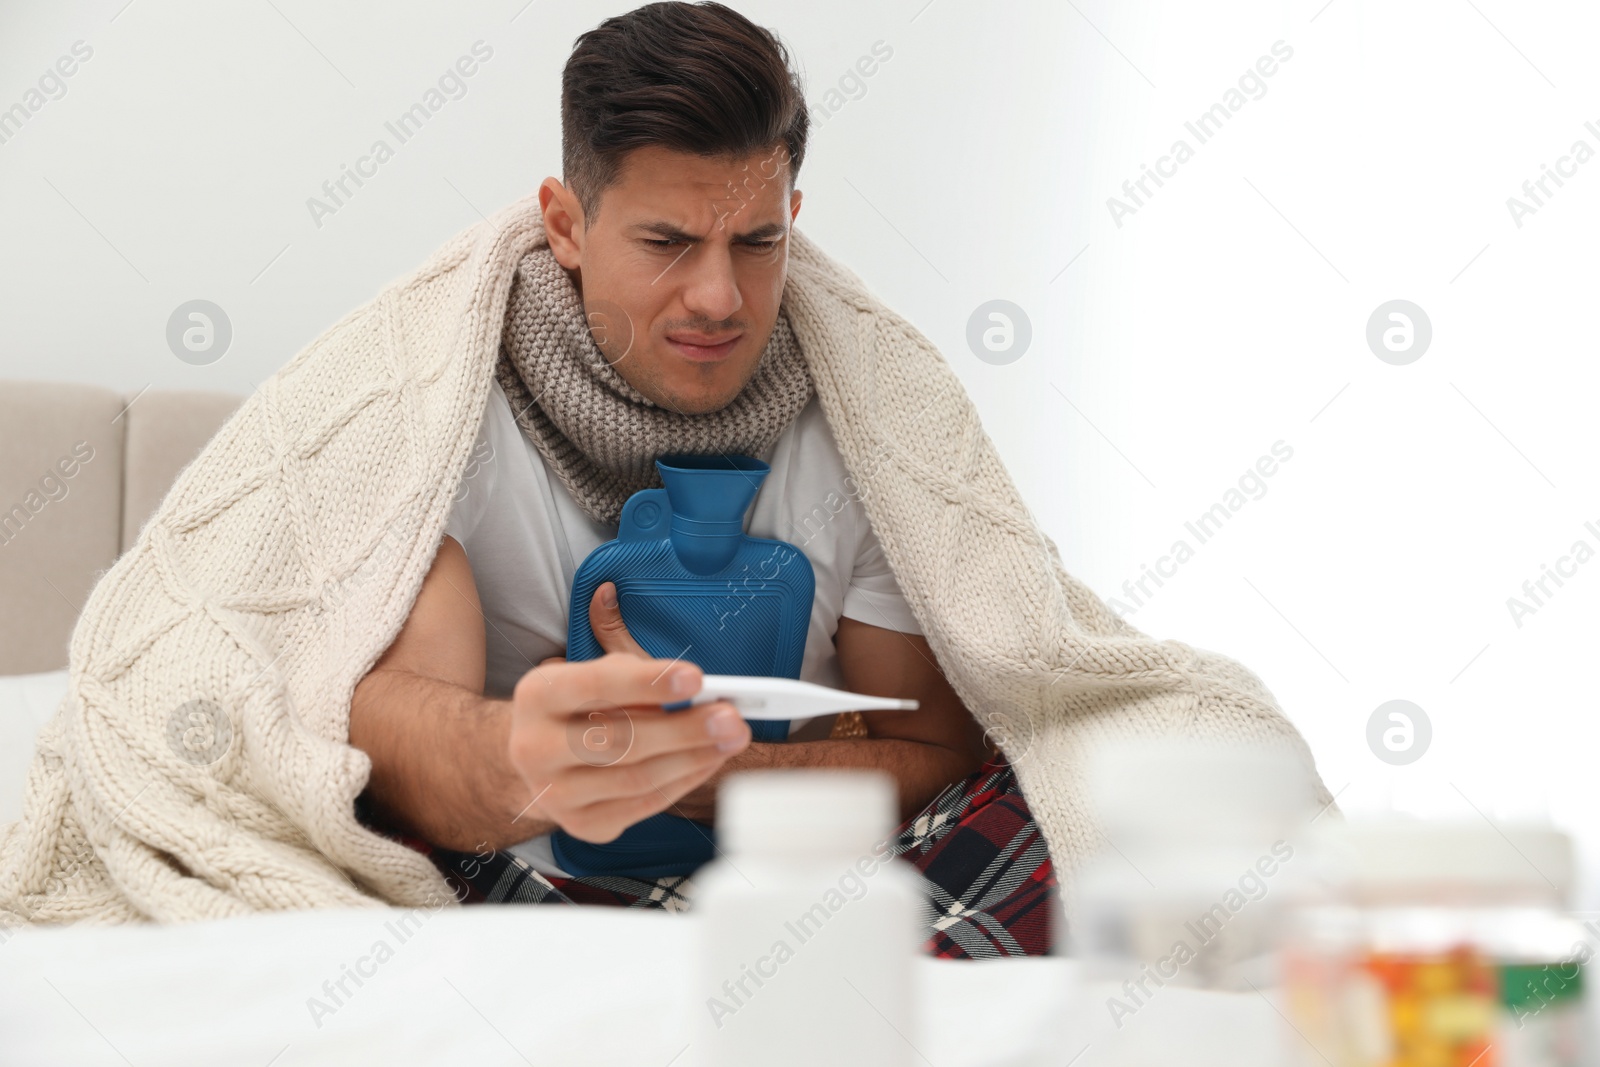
[(711, 289)]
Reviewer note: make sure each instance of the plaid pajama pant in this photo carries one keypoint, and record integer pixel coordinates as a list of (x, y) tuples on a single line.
[(989, 886)]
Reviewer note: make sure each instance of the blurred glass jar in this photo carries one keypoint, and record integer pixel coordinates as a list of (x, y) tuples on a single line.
[(1437, 945)]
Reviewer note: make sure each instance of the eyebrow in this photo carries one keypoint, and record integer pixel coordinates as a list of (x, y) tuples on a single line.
[(668, 231)]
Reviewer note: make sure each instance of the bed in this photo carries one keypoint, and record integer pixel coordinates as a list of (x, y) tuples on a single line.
[(80, 469)]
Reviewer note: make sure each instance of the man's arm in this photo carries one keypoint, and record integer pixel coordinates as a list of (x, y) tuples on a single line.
[(923, 750), (464, 771), (421, 716)]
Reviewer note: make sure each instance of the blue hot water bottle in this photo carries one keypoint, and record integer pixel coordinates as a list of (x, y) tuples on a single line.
[(691, 585)]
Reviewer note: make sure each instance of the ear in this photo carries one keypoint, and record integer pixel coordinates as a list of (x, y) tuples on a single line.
[(563, 223)]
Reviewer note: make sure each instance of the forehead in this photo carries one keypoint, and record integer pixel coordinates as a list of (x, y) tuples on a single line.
[(656, 182)]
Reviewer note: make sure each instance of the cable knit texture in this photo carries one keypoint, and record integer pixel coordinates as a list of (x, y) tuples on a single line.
[(600, 434), (287, 556)]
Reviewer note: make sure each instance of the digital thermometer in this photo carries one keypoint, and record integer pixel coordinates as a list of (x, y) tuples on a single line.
[(762, 698)]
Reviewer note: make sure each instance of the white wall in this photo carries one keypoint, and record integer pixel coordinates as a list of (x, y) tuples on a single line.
[(1228, 313)]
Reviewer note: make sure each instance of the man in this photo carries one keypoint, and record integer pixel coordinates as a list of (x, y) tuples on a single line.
[(683, 132)]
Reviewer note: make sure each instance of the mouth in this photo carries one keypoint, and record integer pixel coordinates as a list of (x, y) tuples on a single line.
[(703, 348)]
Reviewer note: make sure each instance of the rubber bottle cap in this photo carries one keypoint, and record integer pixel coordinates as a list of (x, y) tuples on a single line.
[(805, 812)]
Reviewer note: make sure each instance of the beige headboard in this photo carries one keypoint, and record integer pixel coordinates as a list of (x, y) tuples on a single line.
[(81, 469)]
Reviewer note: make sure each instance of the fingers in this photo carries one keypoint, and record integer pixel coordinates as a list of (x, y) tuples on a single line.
[(574, 763), (605, 619), (606, 819), (592, 739), (655, 777), (608, 736), (616, 678), (716, 722)]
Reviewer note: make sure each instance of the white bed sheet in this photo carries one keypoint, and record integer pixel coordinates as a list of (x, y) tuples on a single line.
[(512, 984)]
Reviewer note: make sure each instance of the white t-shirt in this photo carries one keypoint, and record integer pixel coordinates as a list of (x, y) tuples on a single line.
[(525, 537)]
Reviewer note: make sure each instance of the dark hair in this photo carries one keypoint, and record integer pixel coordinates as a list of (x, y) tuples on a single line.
[(698, 78)]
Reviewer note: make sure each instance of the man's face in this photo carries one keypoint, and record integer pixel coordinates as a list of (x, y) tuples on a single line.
[(683, 270)]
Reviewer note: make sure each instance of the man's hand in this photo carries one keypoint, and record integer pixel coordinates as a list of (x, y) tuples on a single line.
[(584, 746), (923, 750), (593, 742), (598, 752)]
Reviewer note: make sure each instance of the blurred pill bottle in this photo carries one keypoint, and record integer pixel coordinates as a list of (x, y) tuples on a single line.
[(1195, 840), (808, 929), (1421, 944)]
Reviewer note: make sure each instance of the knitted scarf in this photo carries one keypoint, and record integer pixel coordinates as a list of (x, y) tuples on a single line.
[(599, 434)]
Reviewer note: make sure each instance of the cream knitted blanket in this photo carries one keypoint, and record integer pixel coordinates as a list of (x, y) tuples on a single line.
[(199, 766)]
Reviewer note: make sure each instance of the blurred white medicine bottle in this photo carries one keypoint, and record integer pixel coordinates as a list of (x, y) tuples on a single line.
[(809, 929), (1196, 840)]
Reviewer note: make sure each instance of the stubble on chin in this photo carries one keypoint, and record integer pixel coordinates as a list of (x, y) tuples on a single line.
[(693, 404), (696, 402)]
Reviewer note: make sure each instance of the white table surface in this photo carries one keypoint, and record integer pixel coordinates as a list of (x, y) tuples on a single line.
[(516, 984)]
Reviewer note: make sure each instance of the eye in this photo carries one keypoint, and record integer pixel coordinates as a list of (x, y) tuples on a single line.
[(666, 243), (761, 246)]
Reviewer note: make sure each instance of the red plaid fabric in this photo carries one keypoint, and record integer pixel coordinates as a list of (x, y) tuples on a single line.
[(989, 885)]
